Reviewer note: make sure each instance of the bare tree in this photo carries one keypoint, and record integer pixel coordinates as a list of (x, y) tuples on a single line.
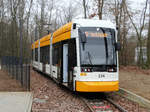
[(84, 6), (148, 41), (2, 14), (42, 18), (50, 9), (121, 19), (118, 7), (14, 37), (69, 12), (28, 16), (139, 30), (100, 4)]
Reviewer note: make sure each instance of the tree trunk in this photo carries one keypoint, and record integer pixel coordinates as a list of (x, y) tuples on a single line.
[(84, 6), (139, 32), (100, 8), (148, 42)]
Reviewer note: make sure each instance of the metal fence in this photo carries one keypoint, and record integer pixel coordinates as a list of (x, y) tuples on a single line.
[(18, 68)]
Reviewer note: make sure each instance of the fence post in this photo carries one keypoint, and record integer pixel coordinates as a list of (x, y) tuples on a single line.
[(16, 70), (28, 77)]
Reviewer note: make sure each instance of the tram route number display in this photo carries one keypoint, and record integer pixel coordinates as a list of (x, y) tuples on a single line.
[(96, 34)]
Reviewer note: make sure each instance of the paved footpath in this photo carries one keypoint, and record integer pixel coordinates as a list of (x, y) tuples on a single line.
[(13, 97), (15, 101)]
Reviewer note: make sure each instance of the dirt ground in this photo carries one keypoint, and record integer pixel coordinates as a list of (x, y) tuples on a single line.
[(7, 84), (135, 80)]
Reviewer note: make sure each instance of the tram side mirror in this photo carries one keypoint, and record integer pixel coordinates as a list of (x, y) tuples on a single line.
[(117, 28), (83, 38), (117, 46), (48, 31), (74, 26)]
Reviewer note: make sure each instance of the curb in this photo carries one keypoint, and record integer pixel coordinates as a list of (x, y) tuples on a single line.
[(134, 97), (29, 106)]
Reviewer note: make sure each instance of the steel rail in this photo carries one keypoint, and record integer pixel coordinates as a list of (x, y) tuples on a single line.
[(121, 109), (88, 105), (116, 105)]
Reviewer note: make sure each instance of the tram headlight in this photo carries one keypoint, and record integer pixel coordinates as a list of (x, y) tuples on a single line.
[(86, 69), (111, 69)]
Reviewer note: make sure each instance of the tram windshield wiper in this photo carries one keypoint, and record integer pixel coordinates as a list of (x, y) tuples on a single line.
[(106, 46), (83, 38), (89, 57)]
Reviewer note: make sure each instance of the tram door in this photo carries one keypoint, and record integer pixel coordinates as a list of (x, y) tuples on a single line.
[(71, 61), (65, 63)]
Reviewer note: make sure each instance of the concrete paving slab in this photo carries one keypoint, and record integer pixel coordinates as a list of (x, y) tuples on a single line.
[(15, 101)]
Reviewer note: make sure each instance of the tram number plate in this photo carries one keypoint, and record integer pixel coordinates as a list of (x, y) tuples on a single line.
[(101, 76)]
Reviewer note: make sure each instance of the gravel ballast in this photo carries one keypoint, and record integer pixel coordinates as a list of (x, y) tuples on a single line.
[(50, 97)]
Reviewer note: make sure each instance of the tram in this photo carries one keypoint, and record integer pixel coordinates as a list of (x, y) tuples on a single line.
[(81, 55)]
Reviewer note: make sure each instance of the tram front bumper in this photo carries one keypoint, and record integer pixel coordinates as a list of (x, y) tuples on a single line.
[(97, 86)]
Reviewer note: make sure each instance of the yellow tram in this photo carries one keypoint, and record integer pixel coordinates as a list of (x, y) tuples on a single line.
[(81, 55)]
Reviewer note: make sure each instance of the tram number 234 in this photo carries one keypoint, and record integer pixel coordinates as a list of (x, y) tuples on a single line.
[(101, 76)]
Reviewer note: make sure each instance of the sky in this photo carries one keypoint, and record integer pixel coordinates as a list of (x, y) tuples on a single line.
[(137, 3)]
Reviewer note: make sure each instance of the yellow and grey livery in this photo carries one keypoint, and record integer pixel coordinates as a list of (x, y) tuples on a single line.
[(81, 62)]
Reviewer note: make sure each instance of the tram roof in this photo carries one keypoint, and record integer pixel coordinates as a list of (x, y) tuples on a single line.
[(94, 23), (67, 28)]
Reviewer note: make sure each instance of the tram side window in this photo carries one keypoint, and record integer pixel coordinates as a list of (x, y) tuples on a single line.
[(56, 55), (32, 54), (47, 54), (44, 56), (36, 54), (41, 54)]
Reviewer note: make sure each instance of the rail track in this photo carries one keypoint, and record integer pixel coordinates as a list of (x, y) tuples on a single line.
[(100, 102), (103, 104)]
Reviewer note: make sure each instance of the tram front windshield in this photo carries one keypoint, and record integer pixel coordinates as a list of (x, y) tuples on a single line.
[(99, 48)]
